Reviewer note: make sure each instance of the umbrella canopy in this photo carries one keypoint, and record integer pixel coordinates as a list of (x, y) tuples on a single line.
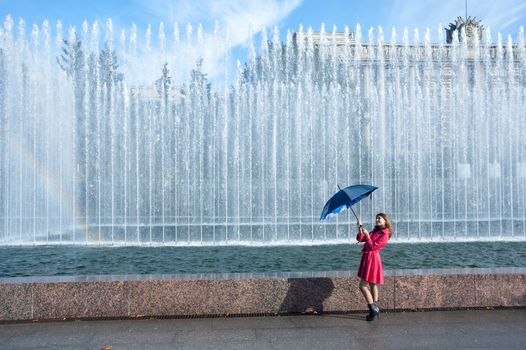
[(345, 198)]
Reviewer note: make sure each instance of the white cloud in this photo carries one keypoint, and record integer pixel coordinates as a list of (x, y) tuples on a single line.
[(238, 15), (498, 15), (501, 15), (225, 24), (510, 22)]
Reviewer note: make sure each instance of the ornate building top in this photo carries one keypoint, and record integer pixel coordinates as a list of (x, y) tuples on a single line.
[(470, 25)]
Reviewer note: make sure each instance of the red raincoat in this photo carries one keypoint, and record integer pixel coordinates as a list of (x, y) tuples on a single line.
[(370, 268)]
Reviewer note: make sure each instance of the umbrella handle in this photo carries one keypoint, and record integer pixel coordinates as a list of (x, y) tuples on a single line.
[(356, 220), (354, 213)]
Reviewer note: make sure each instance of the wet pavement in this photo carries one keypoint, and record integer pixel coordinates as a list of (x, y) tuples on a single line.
[(465, 329)]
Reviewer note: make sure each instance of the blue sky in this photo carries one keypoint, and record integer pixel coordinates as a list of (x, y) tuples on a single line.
[(504, 16), (235, 16)]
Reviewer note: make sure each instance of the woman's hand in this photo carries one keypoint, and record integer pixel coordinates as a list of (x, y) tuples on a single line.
[(361, 229)]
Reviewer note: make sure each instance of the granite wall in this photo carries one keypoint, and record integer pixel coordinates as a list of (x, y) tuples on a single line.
[(80, 297)]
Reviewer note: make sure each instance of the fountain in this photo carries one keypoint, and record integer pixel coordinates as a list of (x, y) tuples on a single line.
[(88, 155)]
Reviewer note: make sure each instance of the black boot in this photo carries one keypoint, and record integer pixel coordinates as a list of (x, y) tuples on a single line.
[(376, 308), (374, 311), (377, 304)]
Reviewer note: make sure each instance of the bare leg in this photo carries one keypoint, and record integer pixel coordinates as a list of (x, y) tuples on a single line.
[(364, 288), (374, 291)]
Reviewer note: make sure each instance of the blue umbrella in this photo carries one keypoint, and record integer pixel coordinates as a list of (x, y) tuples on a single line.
[(344, 199)]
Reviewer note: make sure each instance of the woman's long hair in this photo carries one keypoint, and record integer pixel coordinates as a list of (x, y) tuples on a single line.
[(388, 224)]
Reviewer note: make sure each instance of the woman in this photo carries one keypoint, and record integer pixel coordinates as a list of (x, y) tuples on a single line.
[(370, 270)]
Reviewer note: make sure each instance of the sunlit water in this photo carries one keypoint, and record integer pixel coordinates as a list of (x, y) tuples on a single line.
[(91, 155), (82, 260)]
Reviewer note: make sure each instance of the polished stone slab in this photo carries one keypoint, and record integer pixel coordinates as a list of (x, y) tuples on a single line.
[(434, 292), (262, 275), (79, 297), (79, 300), (500, 289), (16, 302)]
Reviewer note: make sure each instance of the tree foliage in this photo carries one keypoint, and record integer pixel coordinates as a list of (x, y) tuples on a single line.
[(164, 82)]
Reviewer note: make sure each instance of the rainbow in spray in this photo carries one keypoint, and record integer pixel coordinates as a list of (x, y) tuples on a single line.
[(91, 155)]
